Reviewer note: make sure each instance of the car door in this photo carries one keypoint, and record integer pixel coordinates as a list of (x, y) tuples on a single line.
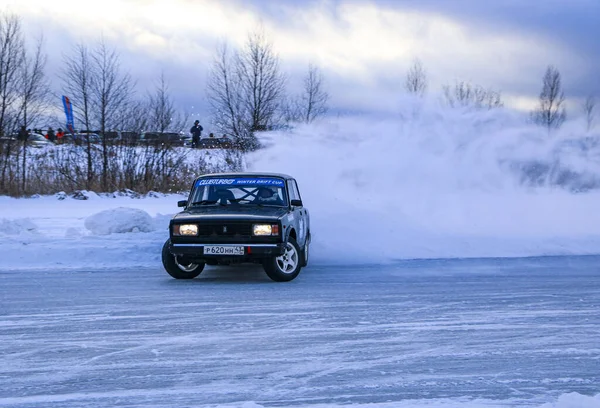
[(300, 213)]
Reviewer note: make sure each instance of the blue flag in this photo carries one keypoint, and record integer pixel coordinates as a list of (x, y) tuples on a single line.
[(69, 114)]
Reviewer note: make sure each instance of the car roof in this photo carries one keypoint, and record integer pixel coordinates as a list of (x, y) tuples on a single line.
[(247, 174)]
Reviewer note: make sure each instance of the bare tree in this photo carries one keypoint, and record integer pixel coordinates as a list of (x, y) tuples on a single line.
[(551, 112), (11, 61), (416, 79), (77, 77), (310, 104), (110, 91), (589, 108), (261, 80), (163, 115), (465, 94), (314, 98), (245, 90), (225, 94), (34, 95), (135, 117)]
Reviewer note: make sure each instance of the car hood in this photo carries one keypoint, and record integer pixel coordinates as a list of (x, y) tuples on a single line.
[(234, 213)]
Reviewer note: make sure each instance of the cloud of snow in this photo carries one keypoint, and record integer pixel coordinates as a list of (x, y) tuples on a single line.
[(441, 182)]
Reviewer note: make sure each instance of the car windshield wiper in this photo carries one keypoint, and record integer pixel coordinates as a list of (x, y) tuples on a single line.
[(204, 202)]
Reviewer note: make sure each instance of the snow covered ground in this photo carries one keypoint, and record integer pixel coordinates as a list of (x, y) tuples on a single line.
[(89, 318)]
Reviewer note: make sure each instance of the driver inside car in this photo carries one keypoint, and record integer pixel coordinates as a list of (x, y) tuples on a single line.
[(266, 195)]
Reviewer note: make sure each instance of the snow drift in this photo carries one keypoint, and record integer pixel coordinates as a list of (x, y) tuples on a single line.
[(119, 220), (17, 226)]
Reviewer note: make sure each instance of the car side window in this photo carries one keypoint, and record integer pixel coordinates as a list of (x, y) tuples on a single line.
[(294, 193), (297, 190)]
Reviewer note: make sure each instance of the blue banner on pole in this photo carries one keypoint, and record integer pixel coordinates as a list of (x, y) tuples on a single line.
[(69, 114)]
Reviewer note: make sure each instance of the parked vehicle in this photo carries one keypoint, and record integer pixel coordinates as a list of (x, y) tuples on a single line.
[(38, 140), (165, 138), (82, 138), (236, 218), (214, 143), (33, 140)]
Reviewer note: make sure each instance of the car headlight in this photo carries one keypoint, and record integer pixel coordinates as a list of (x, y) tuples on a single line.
[(185, 229), (262, 230)]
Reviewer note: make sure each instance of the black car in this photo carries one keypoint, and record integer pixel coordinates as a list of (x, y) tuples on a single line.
[(240, 217)]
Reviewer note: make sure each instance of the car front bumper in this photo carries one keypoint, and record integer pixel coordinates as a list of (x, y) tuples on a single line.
[(195, 251)]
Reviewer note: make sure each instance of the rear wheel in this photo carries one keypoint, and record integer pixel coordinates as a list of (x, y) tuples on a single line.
[(177, 267), (286, 267)]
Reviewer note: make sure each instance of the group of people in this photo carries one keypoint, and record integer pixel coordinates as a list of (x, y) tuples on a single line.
[(52, 136)]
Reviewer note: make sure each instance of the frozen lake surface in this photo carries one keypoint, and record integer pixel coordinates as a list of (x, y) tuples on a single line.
[(459, 333)]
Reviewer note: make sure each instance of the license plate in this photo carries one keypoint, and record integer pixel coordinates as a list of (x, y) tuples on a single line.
[(223, 250)]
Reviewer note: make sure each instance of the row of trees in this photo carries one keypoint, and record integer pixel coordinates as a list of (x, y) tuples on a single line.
[(549, 113), (247, 91)]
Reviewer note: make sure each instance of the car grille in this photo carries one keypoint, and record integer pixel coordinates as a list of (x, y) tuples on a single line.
[(224, 229)]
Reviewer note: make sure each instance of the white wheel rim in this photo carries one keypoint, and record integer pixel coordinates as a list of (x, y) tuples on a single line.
[(288, 262), (186, 268)]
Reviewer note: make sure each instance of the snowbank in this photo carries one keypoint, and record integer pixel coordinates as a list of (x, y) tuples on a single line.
[(16, 226), (119, 220), (68, 233)]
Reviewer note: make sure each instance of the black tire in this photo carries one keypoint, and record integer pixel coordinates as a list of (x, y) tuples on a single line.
[(178, 270), (286, 267)]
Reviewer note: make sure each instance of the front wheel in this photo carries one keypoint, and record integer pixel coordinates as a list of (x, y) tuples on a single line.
[(305, 252), (177, 267), (286, 267)]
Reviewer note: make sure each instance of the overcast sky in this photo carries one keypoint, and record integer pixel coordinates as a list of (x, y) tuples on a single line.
[(364, 48)]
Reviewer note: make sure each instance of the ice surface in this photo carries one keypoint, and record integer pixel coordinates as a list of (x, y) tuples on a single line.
[(429, 333)]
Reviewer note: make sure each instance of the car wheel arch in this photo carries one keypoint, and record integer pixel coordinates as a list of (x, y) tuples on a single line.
[(291, 234)]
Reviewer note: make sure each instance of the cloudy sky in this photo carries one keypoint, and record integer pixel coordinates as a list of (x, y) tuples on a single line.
[(363, 48)]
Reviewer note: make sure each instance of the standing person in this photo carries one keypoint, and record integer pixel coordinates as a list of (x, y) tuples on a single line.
[(196, 132), (50, 135), (23, 134), (59, 135)]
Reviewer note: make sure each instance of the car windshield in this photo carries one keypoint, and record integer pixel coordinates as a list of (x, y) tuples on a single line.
[(261, 191)]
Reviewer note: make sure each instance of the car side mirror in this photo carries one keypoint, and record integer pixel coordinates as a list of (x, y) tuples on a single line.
[(182, 203), (296, 203)]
